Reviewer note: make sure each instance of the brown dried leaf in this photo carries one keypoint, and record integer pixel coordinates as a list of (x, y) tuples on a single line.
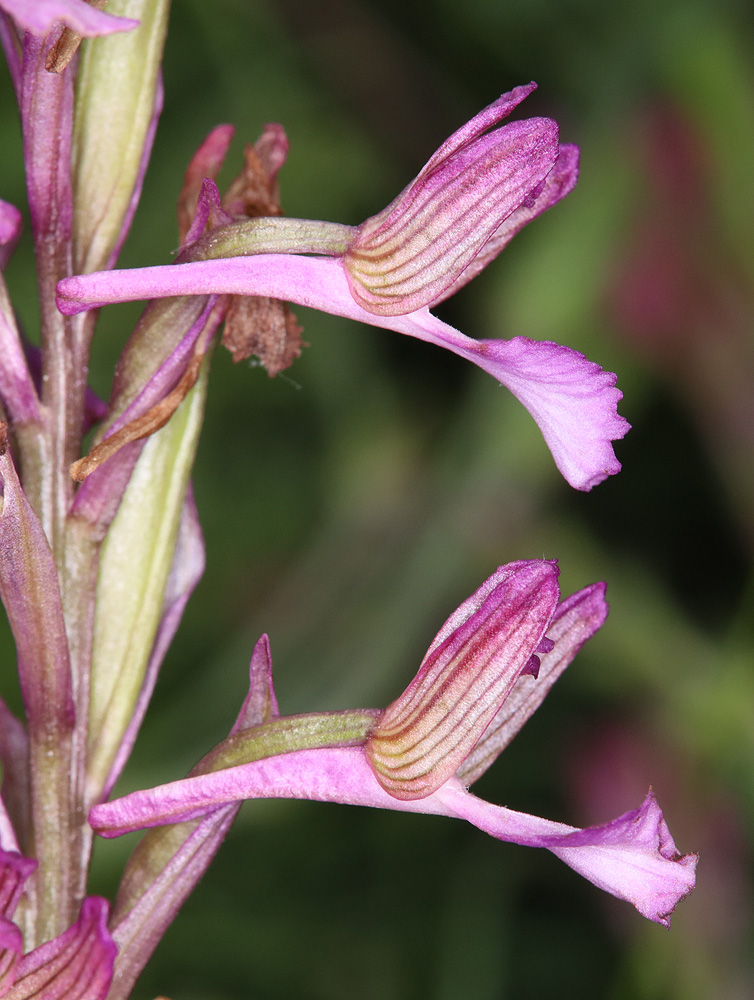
[(252, 193), (264, 327)]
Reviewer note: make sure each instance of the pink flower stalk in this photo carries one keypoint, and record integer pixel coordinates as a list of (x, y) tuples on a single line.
[(486, 672), (76, 965), (477, 191)]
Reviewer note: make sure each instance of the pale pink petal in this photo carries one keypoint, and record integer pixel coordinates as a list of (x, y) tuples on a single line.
[(14, 872), (633, 857), (77, 965), (575, 620), (573, 400), (559, 182), (10, 230), (11, 950), (410, 253), (40, 16), (479, 124)]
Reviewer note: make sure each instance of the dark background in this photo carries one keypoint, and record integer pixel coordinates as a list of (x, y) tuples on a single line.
[(350, 504)]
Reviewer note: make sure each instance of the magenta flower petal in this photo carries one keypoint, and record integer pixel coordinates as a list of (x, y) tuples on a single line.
[(76, 965), (572, 399), (408, 255), (14, 872), (10, 230), (462, 685), (40, 16), (560, 181), (633, 857), (575, 620), (475, 193), (8, 836), (11, 950)]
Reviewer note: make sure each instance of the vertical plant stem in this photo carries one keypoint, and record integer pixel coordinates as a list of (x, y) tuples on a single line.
[(47, 118)]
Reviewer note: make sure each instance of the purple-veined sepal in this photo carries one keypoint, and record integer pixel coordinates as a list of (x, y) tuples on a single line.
[(76, 965), (412, 252), (470, 669)]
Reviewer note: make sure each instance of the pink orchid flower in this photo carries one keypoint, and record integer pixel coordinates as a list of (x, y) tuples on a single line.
[(487, 671), (477, 191)]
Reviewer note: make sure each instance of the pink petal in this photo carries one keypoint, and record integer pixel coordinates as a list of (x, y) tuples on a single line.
[(410, 253), (573, 400), (559, 182), (10, 230), (40, 16), (633, 857), (11, 950), (14, 872), (575, 620), (479, 124), (77, 965)]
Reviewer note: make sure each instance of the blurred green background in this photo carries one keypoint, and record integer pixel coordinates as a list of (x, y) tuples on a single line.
[(352, 503)]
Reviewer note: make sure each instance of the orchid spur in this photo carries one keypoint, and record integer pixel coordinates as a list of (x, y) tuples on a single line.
[(474, 194), (487, 670)]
